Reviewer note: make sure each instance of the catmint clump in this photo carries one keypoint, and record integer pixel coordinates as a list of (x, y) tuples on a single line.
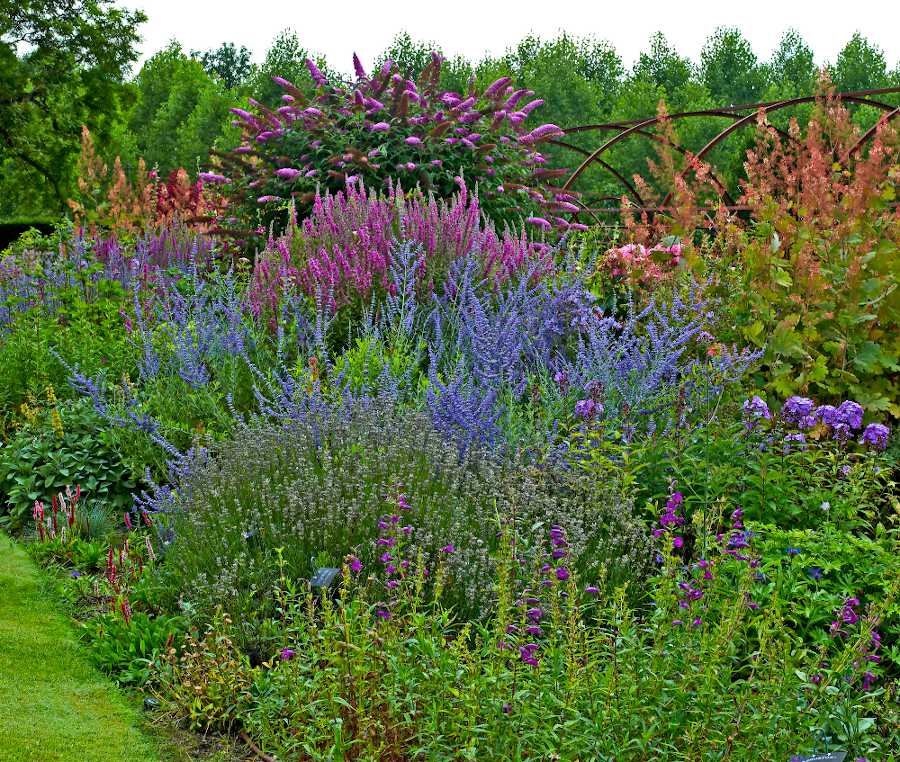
[(361, 483)]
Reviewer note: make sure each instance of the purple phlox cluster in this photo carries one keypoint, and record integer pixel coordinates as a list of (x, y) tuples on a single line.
[(802, 413), (850, 413), (755, 409), (794, 441), (876, 436), (795, 409)]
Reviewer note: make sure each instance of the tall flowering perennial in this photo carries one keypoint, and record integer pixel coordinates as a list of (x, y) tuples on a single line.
[(383, 125), (344, 251), (112, 202)]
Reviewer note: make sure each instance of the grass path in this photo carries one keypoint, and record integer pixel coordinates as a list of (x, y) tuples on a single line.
[(53, 704)]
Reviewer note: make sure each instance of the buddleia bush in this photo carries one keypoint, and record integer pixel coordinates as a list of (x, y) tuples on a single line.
[(386, 126)]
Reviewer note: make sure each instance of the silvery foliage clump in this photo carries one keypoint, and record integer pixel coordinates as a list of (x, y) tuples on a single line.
[(319, 488)]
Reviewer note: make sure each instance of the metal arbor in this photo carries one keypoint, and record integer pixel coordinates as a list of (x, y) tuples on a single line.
[(740, 116)]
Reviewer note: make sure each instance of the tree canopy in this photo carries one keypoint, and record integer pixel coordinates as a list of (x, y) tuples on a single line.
[(63, 64)]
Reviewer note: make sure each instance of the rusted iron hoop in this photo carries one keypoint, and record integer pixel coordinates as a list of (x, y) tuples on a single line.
[(723, 191), (872, 131), (854, 95), (622, 179), (627, 128), (777, 106)]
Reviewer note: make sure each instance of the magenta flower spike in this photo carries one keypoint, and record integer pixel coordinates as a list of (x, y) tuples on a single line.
[(358, 67), (316, 73)]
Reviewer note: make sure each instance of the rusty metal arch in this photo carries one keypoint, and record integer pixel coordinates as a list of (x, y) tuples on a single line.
[(627, 128), (723, 191), (752, 117), (872, 131)]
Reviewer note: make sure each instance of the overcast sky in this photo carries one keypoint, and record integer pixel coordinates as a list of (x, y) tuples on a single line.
[(337, 28)]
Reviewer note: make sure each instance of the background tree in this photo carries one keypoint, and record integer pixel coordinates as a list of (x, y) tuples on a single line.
[(285, 58), (228, 62), (859, 66), (730, 70), (180, 113), (792, 68), (62, 65)]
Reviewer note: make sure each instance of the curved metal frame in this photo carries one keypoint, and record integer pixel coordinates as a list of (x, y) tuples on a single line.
[(643, 127)]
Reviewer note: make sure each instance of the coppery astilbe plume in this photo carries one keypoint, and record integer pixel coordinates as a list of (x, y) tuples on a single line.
[(111, 203), (820, 182)]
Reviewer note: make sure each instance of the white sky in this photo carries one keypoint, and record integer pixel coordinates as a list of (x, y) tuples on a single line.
[(337, 28)]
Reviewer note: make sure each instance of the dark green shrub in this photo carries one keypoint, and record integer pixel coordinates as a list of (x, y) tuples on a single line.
[(127, 649), (42, 461)]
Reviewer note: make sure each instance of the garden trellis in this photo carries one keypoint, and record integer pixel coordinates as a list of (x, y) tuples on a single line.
[(741, 116)]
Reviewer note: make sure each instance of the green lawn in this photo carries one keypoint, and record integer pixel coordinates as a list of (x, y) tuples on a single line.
[(53, 704)]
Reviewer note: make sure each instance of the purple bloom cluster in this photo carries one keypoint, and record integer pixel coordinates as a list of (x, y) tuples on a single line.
[(802, 413), (383, 122)]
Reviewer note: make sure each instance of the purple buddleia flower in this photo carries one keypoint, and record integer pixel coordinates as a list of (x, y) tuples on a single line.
[(288, 173), (495, 87), (358, 67), (316, 73)]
